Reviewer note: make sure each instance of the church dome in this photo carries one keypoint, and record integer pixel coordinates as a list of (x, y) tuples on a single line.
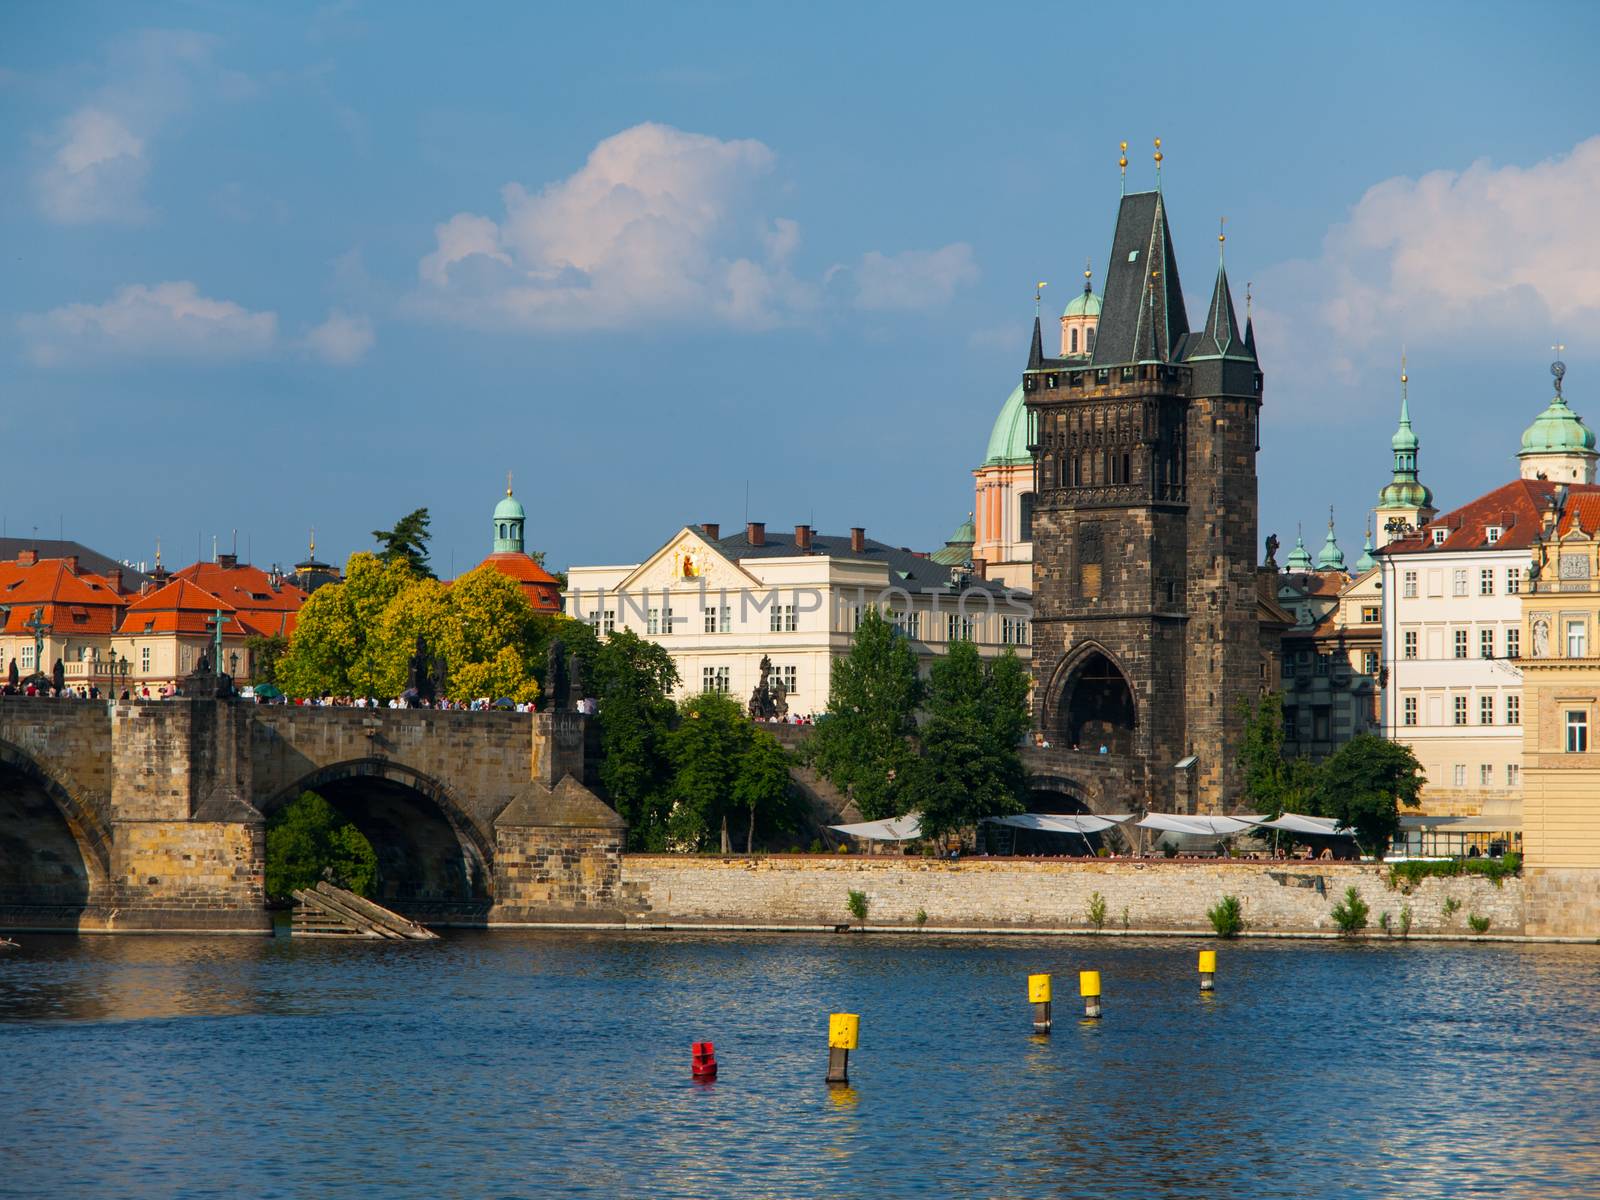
[(1084, 304), (1558, 430), (1405, 493), (1299, 557), (1330, 558), (509, 509), (958, 547), (1008, 441)]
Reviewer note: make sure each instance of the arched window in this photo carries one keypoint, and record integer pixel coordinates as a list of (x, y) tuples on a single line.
[(1090, 346), (1127, 469), (1027, 517), (1074, 341)]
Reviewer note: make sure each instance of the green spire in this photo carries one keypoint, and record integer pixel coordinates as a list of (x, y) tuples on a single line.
[(1404, 490), (508, 522), (1366, 562), (1331, 558), (1299, 558)]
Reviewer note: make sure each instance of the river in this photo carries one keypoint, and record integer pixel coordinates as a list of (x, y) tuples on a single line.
[(546, 1064)]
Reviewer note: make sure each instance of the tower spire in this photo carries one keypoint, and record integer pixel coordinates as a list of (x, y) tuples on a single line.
[(1123, 163), (1158, 164)]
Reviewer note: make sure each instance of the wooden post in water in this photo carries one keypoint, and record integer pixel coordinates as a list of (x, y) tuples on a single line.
[(844, 1032), (1039, 997)]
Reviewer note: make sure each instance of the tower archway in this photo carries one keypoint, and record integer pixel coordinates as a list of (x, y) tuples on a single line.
[(1096, 706)]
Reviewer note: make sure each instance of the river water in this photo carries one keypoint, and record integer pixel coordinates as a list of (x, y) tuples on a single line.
[(550, 1064)]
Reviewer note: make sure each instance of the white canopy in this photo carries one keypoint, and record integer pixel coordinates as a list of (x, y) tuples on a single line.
[(1194, 826), (1061, 822), (895, 829), (1299, 823)]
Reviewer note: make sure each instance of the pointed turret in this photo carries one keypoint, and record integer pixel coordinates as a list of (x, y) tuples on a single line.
[(1036, 351), (1366, 562), (1142, 317), (1404, 502), (1330, 558), (1299, 558)]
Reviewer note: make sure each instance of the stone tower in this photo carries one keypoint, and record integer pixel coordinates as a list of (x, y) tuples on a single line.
[(1146, 627)]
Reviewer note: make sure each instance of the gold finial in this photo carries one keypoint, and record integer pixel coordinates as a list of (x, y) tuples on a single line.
[(508, 483), (158, 554), (1404, 377), (1158, 154), (1222, 229), (1123, 161), (313, 553)]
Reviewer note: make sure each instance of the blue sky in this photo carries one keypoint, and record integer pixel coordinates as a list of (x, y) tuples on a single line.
[(278, 266)]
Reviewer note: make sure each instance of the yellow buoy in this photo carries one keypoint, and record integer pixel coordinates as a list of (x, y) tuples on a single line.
[(1208, 970), (844, 1030), (1088, 983), (1038, 989)]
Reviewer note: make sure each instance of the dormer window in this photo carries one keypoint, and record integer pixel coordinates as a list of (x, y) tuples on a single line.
[(1492, 534), (1438, 537)]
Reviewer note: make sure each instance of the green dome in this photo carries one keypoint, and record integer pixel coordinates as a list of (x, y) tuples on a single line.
[(509, 509), (1084, 304), (1330, 558), (1299, 558), (958, 548), (1558, 430), (1008, 441), (1405, 493), (1403, 438), (1366, 562)]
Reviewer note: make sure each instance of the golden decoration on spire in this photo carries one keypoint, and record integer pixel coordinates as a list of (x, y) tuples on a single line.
[(1404, 378), (508, 483), (313, 553), (1222, 229), (1123, 161), (1158, 154)]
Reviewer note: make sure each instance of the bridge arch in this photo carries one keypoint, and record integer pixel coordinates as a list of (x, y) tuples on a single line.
[(433, 860), (55, 851)]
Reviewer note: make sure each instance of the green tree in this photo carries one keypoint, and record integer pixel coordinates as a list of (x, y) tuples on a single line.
[(761, 784), (863, 747), (970, 767), (705, 751), (1364, 783), (266, 652), (407, 542), (334, 650), (309, 841), (631, 679), (1266, 774)]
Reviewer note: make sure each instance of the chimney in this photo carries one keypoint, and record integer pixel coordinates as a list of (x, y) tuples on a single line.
[(72, 564), (114, 578), (756, 533), (27, 558), (980, 568), (802, 537), (919, 554), (711, 529), (227, 561), (858, 539)]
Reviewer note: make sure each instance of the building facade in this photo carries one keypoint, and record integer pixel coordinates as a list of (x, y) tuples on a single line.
[(721, 603), (1147, 603)]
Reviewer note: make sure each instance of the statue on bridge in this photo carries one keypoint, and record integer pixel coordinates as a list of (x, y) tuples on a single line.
[(769, 701), (557, 683), (425, 677)]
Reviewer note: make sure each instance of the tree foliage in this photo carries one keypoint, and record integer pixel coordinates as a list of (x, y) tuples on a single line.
[(631, 680), (266, 652), (705, 750), (970, 767), (761, 786), (407, 542), (308, 840), (1364, 783), (334, 649), (864, 747)]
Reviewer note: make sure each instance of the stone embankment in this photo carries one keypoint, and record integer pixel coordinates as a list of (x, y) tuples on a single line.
[(1022, 894)]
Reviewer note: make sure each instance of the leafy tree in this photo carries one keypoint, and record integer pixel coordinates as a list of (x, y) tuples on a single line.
[(1266, 774), (864, 745), (970, 767), (334, 650), (761, 784), (309, 841), (631, 679), (407, 542), (1364, 783), (266, 652), (705, 751)]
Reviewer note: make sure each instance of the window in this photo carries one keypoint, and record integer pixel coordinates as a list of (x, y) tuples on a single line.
[(1485, 643), (786, 676), (1461, 643), (1513, 709), (1485, 775), (1323, 660), (1287, 667), (1408, 708), (1461, 774), (1486, 582), (714, 679), (782, 618), (1577, 731), (1576, 639), (958, 628), (1491, 535), (718, 620), (608, 621), (909, 623), (1410, 637), (1411, 585), (1074, 337), (1012, 631), (1369, 662), (27, 656), (1459, 582), (1438, 537), (1513, 580), (1370, 614), (666, 618), (1461, 710), (1485, 710), (1513, 775), (144, 660), (653, 621), (1514, 642)]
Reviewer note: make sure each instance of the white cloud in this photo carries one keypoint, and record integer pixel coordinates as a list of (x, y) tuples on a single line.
[(342, 339), (653, 227), (1439, 259), (914, 279), (170, 321), (97, 158)]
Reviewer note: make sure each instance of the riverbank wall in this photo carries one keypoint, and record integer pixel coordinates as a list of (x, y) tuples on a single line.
[(1151, 895)]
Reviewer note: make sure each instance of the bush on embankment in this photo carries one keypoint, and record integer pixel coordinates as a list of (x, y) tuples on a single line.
[(1405, 876)]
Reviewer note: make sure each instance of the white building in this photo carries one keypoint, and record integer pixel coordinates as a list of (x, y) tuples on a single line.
[(1452, 620), (719, 604)]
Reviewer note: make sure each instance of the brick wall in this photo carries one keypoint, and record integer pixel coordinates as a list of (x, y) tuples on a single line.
[(1041, 893), (556, 874)]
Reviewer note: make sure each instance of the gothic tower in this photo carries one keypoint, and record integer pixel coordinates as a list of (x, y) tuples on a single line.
[(1146, 629)]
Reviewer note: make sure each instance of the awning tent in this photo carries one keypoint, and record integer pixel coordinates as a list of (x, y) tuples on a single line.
[(1061, 822), (1194, 826), (1304, 825), (896, 829)]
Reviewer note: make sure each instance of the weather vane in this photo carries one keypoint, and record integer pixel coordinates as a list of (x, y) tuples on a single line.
[(1123, 163), (1038, 295)]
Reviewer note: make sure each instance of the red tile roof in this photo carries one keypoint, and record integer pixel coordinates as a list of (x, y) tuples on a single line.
[(1517, 508), (541, 588), (180, 607), (266, 608), (78, 603)]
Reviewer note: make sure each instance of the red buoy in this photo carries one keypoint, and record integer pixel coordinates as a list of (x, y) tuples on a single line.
[(703, 1060)]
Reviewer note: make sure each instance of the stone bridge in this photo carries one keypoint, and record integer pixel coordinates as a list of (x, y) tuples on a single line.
[(152, 816)]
